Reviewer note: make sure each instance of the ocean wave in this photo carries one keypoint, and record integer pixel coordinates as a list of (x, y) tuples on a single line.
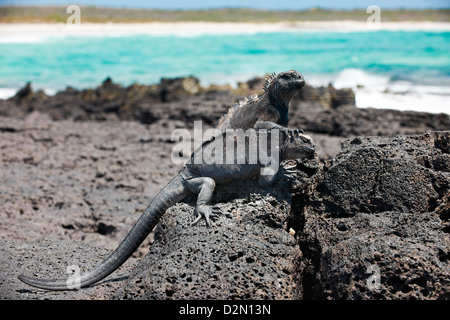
[(6, 93), (386, 91), (372, 90)]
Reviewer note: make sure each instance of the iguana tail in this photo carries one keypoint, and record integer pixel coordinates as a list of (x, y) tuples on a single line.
[(174, 192)]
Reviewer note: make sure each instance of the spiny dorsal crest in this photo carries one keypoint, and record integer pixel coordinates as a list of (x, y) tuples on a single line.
[(254, 98), (249, 100), (269, 79)]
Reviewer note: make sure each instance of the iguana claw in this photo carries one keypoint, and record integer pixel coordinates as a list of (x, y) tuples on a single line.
[(288, 172), (206, 213), (290, 167)]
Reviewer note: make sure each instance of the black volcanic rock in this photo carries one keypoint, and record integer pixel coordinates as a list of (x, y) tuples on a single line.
[(381, 206), (323, 112), (373, 224), (247, 254), (370, 220)]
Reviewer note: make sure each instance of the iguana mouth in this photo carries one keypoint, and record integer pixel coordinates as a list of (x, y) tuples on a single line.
[(308, 149), (300, 82)]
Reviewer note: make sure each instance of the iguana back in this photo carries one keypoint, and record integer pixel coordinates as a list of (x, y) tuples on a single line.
[(268, 110)]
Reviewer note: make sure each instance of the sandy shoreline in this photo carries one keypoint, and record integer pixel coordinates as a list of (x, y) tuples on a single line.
[(192, 28)]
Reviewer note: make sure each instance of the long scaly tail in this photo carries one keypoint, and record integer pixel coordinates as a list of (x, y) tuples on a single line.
[(174, 192)]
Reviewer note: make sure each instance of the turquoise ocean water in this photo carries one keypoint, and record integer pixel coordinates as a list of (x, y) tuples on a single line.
[(387, 69)]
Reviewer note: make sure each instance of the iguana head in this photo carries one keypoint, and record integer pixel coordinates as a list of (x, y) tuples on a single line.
[(284, 84), (297, 145)]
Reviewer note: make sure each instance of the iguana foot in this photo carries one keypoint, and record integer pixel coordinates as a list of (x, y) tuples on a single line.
[(288, 172), (293, 132), (206, 213)]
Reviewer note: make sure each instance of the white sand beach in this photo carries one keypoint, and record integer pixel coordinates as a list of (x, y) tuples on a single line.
[(193, 28)]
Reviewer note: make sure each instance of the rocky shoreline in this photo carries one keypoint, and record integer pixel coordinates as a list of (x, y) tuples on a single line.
[(79, 168)]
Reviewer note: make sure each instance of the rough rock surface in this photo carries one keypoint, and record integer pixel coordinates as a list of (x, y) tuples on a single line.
[(79, 180), (247, 254), (375, 222), (82, 166), (327, 114), (54, 259)]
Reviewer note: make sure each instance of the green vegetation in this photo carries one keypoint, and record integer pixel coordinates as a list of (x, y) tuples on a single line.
[(96, 14)]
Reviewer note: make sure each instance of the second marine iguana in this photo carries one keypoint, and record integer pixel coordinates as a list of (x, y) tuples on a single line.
[(199, 176), (268, 110)]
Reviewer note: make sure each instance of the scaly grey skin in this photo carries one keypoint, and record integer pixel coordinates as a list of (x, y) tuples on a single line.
[(268, 110), (198, 177)]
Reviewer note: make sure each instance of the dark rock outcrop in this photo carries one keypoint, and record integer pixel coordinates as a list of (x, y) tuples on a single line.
[(327, 97), (180, 98), (375, 221), (248, 253), (326, 113), (323, 111), (373, 224), (370, 221)]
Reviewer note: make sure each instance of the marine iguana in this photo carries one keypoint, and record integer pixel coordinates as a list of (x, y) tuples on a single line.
[(198, 177), (267, 110)]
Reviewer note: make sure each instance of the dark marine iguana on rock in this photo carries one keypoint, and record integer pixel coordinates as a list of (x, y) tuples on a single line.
[(267, 110), (207, 167)]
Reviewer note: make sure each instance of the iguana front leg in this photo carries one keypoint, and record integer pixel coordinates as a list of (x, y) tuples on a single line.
[(204, 187)]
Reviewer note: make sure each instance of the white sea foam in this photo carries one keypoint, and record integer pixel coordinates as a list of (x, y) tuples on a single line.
[(6, 93), (416, 101), (355, 77), (371, 90), (379, 91)]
